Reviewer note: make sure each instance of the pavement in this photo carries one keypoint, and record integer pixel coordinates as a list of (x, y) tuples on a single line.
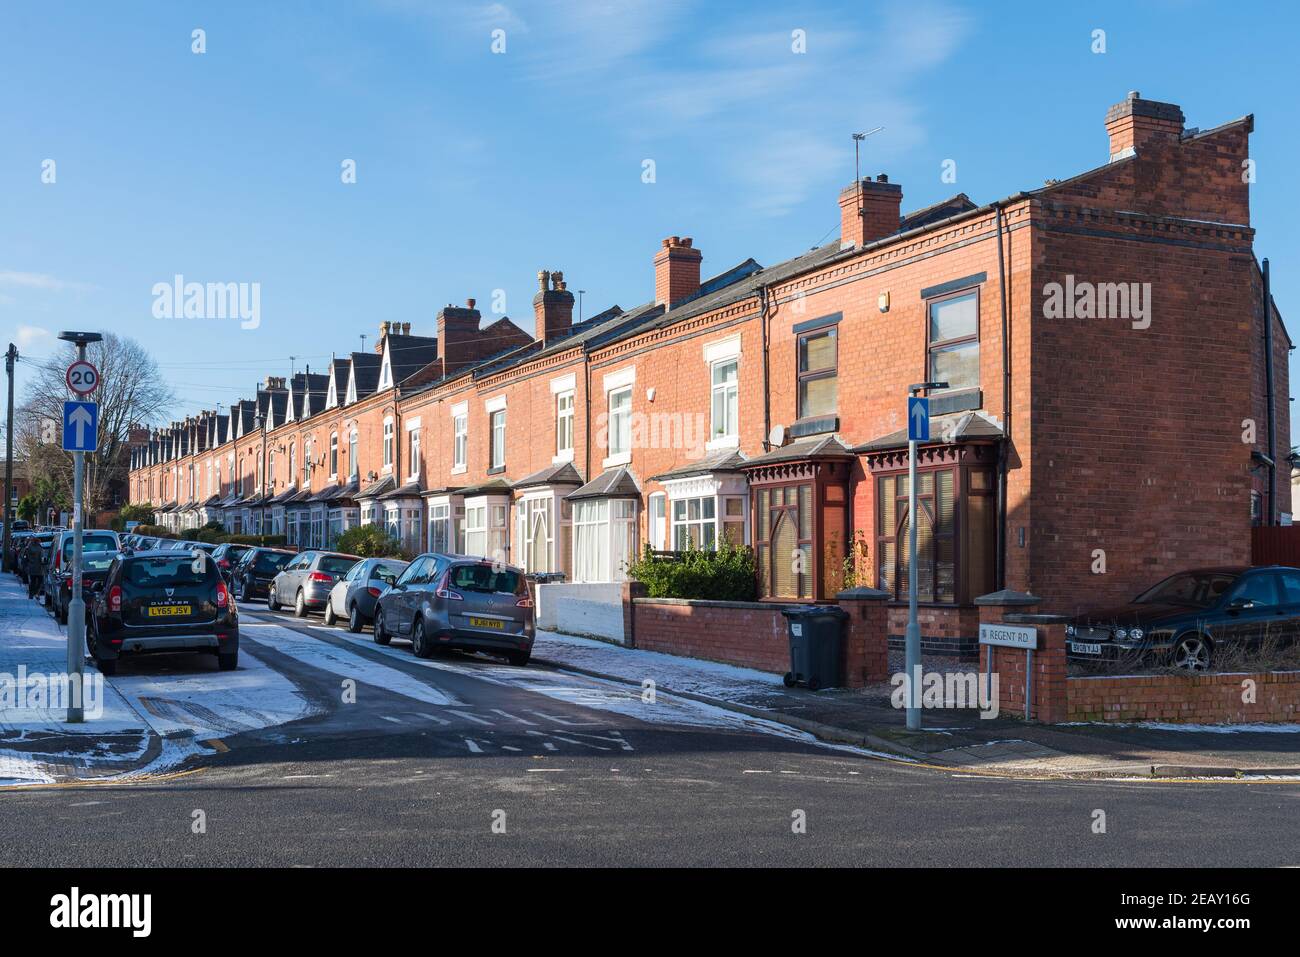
[(952, 737)]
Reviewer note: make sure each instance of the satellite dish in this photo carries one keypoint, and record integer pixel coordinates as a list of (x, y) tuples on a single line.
[(776, 437)]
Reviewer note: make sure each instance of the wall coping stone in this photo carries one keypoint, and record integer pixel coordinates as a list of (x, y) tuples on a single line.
[(1028, 618), (710, 603), (863, 593), (1008, 597)]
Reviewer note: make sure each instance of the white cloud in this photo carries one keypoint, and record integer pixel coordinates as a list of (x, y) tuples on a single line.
[(34, 280), (29, 336)]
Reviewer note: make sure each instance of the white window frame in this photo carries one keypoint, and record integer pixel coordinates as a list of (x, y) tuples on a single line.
[(334, 455), (564, 386), (719, 353), (354, 464), (657, 525), (460, 438), (390, 437), (496, 417), (721, 487), (593, 528), (617, 454), (412, 448)]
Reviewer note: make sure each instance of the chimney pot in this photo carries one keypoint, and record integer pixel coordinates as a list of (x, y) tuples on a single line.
[(469, 303), (552, 308)]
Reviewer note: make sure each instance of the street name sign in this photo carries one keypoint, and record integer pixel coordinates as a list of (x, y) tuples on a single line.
[(1009, 636)]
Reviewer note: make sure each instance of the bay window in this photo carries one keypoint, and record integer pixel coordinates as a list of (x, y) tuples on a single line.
[(694, 523), (604, 538)]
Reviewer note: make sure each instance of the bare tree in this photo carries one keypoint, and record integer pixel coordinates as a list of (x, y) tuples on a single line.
[(131, 393)]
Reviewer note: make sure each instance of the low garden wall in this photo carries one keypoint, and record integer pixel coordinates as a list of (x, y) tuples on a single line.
[(593, 610), (1202, 699)]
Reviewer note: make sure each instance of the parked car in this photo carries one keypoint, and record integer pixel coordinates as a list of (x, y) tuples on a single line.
[(305, 582), (257, 567), (98, 548), (355, 595), (228, 554), (1192, 618), (162, 601), (17, 545), (455, 601)]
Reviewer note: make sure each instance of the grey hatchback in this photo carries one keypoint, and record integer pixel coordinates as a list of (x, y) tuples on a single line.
[(355, 595), (306, 581), (454, 601)]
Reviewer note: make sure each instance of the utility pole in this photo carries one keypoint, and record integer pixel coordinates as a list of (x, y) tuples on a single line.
[(10, 357), (77, 604)]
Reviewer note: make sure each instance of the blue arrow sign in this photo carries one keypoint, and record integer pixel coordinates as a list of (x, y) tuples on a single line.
[(80, 426), (918, 418)]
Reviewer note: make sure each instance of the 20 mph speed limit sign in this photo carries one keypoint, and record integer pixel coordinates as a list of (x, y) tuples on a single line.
[(83, 378)]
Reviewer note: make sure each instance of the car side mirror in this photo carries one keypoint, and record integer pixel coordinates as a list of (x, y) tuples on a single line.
[(1240, 604)]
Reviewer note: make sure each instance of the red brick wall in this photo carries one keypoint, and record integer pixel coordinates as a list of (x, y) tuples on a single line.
[(752, 636), (1205, 699)]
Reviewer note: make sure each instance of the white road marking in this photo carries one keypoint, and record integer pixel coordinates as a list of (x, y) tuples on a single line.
[(392, 719), (473, 746), (432, 717), (470, 717), (507, 714)]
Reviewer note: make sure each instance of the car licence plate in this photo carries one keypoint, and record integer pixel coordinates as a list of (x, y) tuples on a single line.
[(1085, 648), (487, 623), (169, 611)]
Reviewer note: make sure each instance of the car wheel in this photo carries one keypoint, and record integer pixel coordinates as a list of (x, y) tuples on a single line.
[(519, 658), (330, 617), (299, 606), (271, 601), (1192, 653), (420, 643), (228, 662), (381, 634), (354, 619)]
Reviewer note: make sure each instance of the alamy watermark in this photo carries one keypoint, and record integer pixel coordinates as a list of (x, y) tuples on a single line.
[(179, 299), (1092, 300), (55, 691), (940, 690)]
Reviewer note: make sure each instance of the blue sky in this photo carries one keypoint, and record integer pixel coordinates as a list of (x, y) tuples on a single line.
[(476, 169)]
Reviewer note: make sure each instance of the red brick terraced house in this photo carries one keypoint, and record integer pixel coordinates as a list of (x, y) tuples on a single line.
[(1113, 368)]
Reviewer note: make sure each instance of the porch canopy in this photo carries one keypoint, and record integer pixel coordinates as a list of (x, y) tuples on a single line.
[(957, 520), (799, 494)]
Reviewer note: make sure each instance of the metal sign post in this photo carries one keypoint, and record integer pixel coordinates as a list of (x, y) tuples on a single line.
[(918, 430), (79, 436)]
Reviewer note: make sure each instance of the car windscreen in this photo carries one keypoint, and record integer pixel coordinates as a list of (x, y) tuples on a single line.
[(485, 578), (164, 571), (336, 564), (271, 561), (387, 570), (1197, 589), (89, 543)]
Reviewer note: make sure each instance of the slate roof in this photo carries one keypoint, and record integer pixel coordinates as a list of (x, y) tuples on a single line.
[(726, 460), (407, 355), (615, 483), (944, 430), (821, 447), (376, 489), (496, 486), (332, 493), (411, 489), (365, 369), (562, 474)]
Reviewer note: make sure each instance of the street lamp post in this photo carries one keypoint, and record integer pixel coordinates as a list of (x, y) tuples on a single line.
[(77, 604), (912, 635)]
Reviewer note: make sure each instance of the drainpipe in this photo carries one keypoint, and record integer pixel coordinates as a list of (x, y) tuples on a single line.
[(1268, 386), (767, 394), (1001, 551)]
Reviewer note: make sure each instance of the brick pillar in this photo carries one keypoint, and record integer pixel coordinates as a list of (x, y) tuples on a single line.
[(866, 636), (632, 590), (1049, 702)]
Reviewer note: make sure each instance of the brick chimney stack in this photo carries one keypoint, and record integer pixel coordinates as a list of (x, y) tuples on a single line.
[(459, 341), (677, 271), (383, 334), (552, 306), (869, 210), (1136, 121)]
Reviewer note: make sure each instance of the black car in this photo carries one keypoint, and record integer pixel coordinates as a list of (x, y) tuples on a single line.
[(1190, 619), (14, 559), (226, 555), (162, 601), (257, 568)]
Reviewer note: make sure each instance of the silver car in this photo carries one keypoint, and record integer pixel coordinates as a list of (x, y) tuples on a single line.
[(455, 601), (306, 581), (355, 595)]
